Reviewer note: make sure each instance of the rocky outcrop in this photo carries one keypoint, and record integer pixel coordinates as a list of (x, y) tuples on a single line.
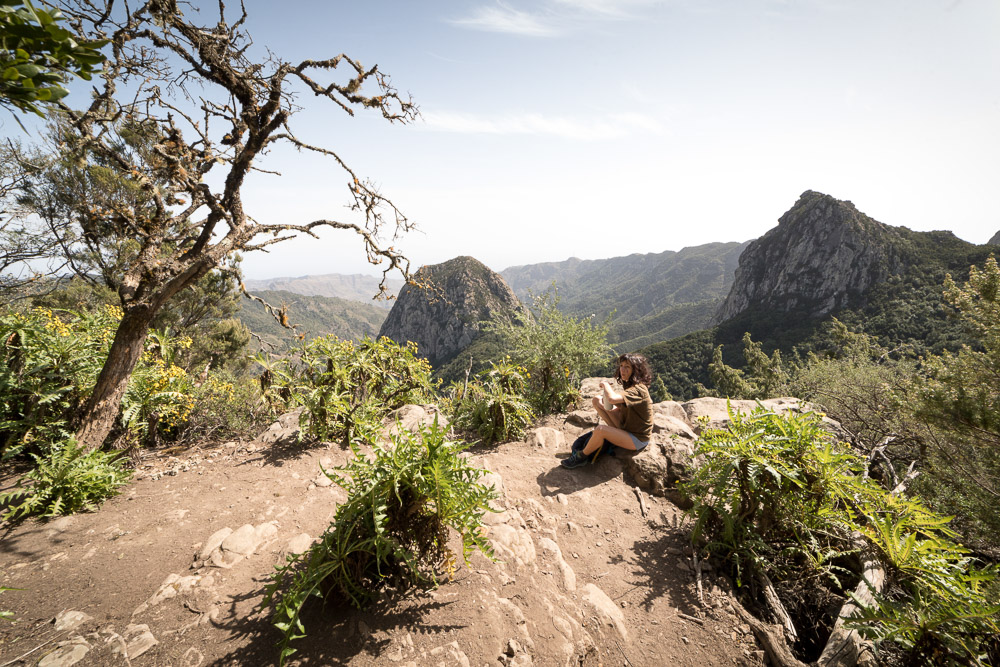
[(442, 307), (823, 255), (995, 240), (670, 457)]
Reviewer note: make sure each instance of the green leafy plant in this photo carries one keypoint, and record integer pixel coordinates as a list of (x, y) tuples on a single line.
[(347, 387), (49, 361), (38, 55), (557, 351), (493, 405), (66, 480), (763, 376), (778, 498), (391, 532), (226, 406), (959, 396)]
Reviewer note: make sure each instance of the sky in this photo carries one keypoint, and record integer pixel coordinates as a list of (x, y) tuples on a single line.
[(552, 129)]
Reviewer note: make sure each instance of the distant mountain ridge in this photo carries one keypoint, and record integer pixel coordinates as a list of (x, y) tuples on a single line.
[(827, 259), (353, 287), (653, 296), (313, 316)]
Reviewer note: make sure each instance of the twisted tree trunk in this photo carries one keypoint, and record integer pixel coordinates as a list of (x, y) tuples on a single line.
[(101, 410)]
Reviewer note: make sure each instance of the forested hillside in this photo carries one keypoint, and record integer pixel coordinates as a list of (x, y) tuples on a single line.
[(353, 287), (651, 297), (312, 316), (903, 308)]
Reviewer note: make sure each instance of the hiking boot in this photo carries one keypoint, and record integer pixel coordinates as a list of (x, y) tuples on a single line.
[(575, 460)]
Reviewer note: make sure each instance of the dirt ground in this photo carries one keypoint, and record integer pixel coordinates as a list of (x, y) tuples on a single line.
[(582, 577)]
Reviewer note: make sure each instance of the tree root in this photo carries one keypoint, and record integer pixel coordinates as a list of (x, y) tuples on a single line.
[(771, 637)]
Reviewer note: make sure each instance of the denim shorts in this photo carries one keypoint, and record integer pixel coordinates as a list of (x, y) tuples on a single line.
[(639, 444)]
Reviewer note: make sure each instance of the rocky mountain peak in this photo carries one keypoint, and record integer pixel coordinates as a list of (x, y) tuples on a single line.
[(441, 308), (823, 255), (995, 240)]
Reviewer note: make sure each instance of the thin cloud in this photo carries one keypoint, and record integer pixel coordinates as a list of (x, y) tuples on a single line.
[(505, 19), (612, 126), (554, 17), (607, 8)]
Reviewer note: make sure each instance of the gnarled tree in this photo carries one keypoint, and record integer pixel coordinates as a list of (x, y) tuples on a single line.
[(208, 107)]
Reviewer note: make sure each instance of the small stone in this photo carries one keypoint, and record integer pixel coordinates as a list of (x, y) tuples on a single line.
[(68, 653), (512, 649), (242, 541), (685, 640), (214, 542), (70, 620)]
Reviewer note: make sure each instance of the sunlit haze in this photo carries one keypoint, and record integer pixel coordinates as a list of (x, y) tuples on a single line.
[(600, 128)]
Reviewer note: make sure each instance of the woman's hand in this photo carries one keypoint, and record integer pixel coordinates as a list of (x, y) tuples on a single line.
[(598, 404), (611, 394)]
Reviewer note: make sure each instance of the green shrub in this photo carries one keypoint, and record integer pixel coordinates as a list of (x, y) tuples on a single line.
[(493, 404), (959, 396), (347, 387), (391, 532), (226, 407), (557, 351), (65, 480), (777, 496), (49, 362)]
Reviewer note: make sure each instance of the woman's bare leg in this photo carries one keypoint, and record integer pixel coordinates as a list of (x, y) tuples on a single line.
[(615, 436)]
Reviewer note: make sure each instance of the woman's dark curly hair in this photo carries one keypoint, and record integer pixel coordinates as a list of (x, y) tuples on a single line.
[(640, 370)]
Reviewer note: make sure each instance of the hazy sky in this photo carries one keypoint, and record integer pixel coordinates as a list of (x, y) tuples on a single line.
[(599, 128)]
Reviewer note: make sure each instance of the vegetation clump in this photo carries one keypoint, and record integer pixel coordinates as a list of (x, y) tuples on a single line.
[(346, 388), (392, 532), (493, 404), (792, 512), (65, 480), (556, 350)]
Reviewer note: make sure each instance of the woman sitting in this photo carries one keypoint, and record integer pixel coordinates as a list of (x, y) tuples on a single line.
[(629, 422)]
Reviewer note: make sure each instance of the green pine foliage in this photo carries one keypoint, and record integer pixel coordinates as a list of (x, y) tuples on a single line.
[(391, 533)]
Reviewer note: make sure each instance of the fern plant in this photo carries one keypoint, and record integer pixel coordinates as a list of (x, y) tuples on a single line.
[(66, 480), (391, 532), (776, 495)]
